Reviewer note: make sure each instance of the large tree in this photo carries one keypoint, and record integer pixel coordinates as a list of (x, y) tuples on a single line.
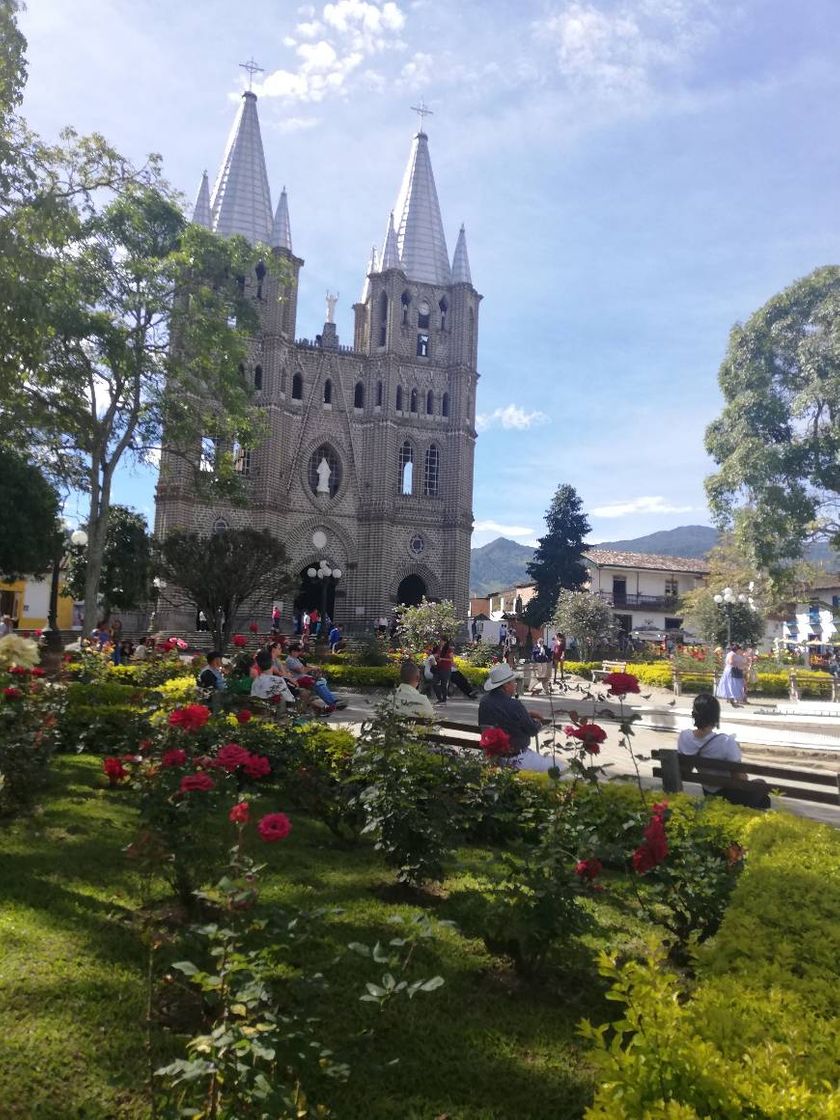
[(29, 536), (122, 324), (777, 441), (557, 562), (586, 617), (743, 623), (125, 582), (221, 574)]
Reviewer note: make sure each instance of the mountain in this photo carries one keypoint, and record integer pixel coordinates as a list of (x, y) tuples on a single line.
[(502, 563)]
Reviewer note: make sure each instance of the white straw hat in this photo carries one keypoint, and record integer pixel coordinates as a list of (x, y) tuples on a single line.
[(499, 675)]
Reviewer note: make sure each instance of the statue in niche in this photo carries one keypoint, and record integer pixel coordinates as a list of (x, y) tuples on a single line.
[(332, 300), (323, 471)]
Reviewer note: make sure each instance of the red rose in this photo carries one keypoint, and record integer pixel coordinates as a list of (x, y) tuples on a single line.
[(174, 757), (18, 671), (37, 633), (274, 826), (589, 734), (243, 716), (38, 671), (232, 755), (191, 718), (115, 770), (144, 745), (253, 627), (495, 743), (620, 684), (12, 693), (654, 847), (240, 813), (588, 869), (200, 783), (257, 766), (239, 640)]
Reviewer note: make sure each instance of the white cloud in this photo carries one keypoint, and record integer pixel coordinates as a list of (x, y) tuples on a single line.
[(419, 71), (511, 416), (503, 530), (296, 124), (639, 505)]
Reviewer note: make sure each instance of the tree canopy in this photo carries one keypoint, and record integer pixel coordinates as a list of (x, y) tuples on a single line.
[(586, 617), (777, 441), (557, 561), (710, 620), (223, 573), (29, 507), (125, 582), (426, 624)]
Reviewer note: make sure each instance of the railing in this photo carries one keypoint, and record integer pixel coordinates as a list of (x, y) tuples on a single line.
[(310, 344), (651, 602)]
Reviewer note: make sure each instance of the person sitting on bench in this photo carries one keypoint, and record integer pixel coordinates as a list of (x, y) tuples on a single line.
[(705, 741), (406, 701)]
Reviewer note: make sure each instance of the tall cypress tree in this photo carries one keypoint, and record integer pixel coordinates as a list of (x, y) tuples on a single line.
[(557, 562)]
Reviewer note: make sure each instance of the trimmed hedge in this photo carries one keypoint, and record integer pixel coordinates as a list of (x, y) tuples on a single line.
[(759, 1034)]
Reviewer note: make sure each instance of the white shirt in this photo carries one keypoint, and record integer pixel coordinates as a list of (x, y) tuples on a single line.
[(407, 702), (720, 746), (267, 685)]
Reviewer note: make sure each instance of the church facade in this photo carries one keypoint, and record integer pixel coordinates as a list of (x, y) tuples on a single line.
[(367, 468)]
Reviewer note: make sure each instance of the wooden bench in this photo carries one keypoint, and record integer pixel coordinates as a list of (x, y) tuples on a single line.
[(675, 768), (449, 733), (608, 667)]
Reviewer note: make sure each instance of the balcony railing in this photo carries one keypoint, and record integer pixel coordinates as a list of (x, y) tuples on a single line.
[(640, 602)]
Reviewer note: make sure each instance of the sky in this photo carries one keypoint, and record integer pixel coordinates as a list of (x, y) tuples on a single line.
[(635, 176)]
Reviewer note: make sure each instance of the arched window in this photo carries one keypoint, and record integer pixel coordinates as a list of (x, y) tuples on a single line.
[(328, 391), (471, 334), (219, 526), (405, 300), (297, 387), (241, 459), (317, 473), (430, 403), (399, 398), (383, 319), (423, 312), (413, 401), (260, 270), (359, 395), (444, 311), (283, 380), (431, 472), (258, 377), (378, 394), (242, 370), (444, 405), (406, 476)]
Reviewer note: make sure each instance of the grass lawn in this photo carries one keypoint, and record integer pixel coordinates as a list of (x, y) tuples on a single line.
[(485, 1046)]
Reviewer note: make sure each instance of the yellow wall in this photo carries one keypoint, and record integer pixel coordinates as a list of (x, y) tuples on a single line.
[(31, 603)]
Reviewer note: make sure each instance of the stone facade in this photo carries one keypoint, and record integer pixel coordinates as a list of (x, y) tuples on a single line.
[(404, 393)]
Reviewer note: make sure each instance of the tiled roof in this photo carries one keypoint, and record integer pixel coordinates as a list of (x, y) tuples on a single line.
[(824, 580), (605, 558)]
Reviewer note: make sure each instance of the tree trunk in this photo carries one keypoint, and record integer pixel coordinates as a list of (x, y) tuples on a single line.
[(100, 501)]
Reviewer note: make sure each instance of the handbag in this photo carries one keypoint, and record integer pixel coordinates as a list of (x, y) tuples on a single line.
[(737, 673)]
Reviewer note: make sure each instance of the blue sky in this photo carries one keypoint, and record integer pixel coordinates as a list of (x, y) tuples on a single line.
[(634, 175)]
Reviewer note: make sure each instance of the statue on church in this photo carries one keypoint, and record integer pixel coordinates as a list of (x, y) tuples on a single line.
[(323, 471), (332, 300)]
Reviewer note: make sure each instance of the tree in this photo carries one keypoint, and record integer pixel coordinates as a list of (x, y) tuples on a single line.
[(710, 620), (777, 441), (427, 623), (557, 561), (221, 573), (125, 582), (582, 615), (29, 508)]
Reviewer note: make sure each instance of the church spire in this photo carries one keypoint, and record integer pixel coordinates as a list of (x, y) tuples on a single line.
[(390, 253), (461, 261), (420, 238), (371, 268), (241, 201), (281, 232), (201, 215)]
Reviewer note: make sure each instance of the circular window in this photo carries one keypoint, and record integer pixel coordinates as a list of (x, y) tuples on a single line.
[(423, 307), (417, 546), (324, 471), (319, 539)]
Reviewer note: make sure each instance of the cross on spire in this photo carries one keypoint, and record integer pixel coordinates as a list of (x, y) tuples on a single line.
[(252, 69), (422, 110)]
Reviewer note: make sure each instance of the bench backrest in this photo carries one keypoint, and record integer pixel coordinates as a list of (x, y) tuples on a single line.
[(614, 666), (675, 768)]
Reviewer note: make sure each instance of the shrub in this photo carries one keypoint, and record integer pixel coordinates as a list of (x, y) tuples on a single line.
[(28, 720), (758, 1034), (105, 717)]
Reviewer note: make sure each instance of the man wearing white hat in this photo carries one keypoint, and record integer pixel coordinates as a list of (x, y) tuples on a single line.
[(500, 708)]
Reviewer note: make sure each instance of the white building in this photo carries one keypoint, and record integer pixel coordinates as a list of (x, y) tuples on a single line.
[(818, 620), (644, 590)]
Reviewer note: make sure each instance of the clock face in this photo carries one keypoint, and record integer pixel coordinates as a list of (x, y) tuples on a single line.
[(423, 307), (417, 546), (319, 539)]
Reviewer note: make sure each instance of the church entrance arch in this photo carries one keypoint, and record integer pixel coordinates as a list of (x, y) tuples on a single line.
[(314, 594), (411, 591)]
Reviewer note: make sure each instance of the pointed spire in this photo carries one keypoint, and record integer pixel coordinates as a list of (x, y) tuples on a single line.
[(241, 201), (281, 232), (461, 261), (370, 269), (201, 211), (420, 238), (390, 253)]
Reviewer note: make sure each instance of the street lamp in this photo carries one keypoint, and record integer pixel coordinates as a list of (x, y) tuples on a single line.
[(324, 573), (159, 586), (727, 599), (77, 538)]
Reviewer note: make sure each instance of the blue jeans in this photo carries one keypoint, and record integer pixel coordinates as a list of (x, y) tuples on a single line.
[(323, 692)]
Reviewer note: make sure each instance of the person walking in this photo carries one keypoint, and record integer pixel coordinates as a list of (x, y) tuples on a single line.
[(443, 671), (542, 666), (429, 669), (275, 619), (558, 656), (731, 684)]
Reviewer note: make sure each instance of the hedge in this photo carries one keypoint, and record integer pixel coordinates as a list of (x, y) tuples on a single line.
[(758, 1033)]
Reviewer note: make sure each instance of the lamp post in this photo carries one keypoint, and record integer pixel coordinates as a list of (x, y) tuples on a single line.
[(324, 573), (726, 600), (159, 586), (76, 538)]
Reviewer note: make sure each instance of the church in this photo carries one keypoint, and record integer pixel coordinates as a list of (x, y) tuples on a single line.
[(367, 468)]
